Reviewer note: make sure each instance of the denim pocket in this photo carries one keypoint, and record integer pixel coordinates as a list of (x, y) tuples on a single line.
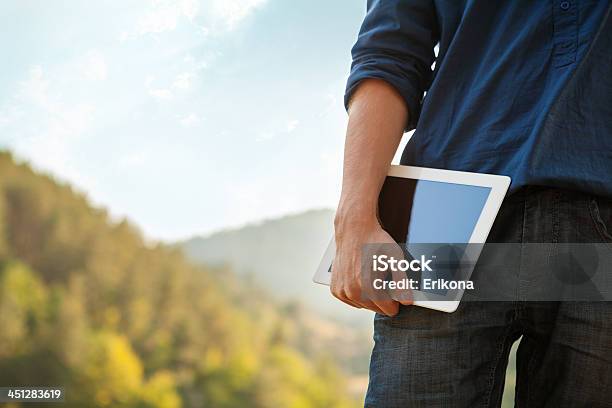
[(601, 213)]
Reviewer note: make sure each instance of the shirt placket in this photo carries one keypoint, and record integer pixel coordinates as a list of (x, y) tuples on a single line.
[(565, 32)]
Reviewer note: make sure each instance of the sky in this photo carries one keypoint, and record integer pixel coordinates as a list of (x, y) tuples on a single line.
[(185, 116)]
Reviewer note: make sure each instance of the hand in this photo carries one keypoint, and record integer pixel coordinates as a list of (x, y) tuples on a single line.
[(347, 283)]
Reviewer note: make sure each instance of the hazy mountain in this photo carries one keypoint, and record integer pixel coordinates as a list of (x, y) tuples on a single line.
[(281, 255)]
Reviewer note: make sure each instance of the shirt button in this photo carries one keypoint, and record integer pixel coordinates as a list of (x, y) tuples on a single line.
[(565, 5)]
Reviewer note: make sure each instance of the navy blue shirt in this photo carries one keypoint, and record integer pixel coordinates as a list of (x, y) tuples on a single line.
[(520, 88)]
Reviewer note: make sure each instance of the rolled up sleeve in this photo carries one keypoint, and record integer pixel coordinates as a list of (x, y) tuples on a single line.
[(396, 44)]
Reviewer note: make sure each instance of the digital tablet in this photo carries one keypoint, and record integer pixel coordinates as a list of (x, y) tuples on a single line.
[(431, 206)]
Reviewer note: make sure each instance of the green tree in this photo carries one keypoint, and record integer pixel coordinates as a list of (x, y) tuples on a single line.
[(88, 304)]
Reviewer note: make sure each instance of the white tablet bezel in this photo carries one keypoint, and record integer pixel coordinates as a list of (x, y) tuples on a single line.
[(499, 186)]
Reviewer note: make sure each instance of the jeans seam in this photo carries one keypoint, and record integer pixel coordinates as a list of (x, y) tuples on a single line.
[(500, 353), (530, 367), (556, 226), (520, 263), (524, 383)]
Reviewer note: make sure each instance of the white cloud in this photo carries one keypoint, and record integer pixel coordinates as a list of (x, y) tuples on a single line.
[(265, 136), (331, 105), (182, 82), (189, 8), (45, 108), (157, 21), (65, 120), (165, 16), (135, 159), (149, 80), (34, 89), (61, 118), (218, 15), (93, 66), (292, 124), (189, 120), (276, 130), (44, 127), (229, 13), (161, 94)]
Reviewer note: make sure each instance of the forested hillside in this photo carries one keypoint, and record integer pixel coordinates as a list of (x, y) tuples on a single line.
[(282, 254), (87, 304)]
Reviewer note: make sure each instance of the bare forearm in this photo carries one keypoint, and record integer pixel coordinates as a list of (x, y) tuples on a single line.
[(377, 116)]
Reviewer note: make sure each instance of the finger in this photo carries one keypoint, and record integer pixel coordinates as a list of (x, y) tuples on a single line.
[(350, 303), (341, 296), (379, 301), (355, 295), (364, 297), (382, 301), (389, 307), (372, 306), (403, 296), (367, 303)]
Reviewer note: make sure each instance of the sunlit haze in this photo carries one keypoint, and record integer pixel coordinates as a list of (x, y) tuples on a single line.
[(186, 116)]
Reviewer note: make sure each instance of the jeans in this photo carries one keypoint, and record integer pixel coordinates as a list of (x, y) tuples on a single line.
[(427, 358)]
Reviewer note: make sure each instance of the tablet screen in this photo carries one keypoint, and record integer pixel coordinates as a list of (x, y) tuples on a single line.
[(430, 212), (422, 211)]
